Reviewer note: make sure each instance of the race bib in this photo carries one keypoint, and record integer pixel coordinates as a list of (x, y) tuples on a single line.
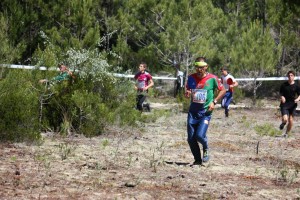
[(141, 84), (199, 95)]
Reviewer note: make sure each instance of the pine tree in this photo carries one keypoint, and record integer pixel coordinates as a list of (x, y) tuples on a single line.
[(255, 54)]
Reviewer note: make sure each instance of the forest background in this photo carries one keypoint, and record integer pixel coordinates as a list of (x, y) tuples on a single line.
[(257, 38)]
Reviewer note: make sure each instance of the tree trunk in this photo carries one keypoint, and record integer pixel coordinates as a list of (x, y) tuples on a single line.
[(254, 93)]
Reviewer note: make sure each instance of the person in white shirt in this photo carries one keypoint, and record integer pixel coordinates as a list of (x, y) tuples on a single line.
[(229, 83)]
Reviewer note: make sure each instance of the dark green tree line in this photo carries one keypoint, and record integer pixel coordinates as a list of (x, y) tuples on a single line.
[(159, 32)]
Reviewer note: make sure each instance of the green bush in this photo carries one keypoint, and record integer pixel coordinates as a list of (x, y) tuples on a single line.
[(238, 94), (91, 102), (87, 106), (82, 105), (18, 108)]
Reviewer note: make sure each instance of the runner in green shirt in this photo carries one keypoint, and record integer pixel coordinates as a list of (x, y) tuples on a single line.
[(63, 75)]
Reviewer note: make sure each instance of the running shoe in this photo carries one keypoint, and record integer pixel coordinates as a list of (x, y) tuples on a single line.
[(284, 135), (226, 114), (205, 155), (197, 162), (282, 126)]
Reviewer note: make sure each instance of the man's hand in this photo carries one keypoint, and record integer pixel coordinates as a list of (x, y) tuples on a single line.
[(187, 93), (43, 81), (283, 99), (145, 89), (211, 106)]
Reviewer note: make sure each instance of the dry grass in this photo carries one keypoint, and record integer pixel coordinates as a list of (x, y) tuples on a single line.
[(154, 163)]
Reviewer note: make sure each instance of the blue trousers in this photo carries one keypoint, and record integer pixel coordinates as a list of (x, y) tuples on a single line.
[(196, 129), (226, 101)]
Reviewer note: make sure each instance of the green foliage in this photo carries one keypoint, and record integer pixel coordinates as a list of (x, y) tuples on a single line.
[(186, 104), (87, 107), (8, 52), (254, 54), (267, 130), (104, 143), (18, 108), (261, 57), (94, 100), (238, 94), (66, 149), (245, 122), (158, 32), (93, 115), (86, 104)]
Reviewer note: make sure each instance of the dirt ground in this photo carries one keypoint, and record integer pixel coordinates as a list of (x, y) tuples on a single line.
[(154, 162)]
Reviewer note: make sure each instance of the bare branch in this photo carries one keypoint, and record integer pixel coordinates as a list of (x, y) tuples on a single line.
[(158, 17)]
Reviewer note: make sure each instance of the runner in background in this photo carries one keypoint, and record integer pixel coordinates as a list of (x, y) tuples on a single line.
[(179, 82), (64, 74), (144, 82), (229, 83), (289, 90)]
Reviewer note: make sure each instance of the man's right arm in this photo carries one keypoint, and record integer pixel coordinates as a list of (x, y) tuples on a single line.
[(187, 92), (282, 98)]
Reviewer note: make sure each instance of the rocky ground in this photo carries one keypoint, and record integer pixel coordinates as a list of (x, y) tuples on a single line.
[(154, 161)]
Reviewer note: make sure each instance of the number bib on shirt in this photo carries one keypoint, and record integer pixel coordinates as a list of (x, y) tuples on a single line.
[(199, 95), (141, 84)]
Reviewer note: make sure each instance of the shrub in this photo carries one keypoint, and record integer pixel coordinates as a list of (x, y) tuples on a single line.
[(87, 107), (88, 104), (18, 108)]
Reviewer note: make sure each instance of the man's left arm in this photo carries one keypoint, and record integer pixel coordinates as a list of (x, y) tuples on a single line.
[(234, 83), (220, 95), (151, 84)]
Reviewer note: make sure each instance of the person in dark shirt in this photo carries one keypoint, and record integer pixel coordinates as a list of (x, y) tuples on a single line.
[(289, 96)]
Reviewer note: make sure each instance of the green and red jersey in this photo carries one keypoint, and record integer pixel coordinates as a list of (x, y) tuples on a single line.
[(202, 91)]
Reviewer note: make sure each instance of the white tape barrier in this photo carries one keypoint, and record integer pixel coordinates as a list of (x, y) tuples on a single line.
[(57, 69), (27, 67), (154, 77), (266, 79)]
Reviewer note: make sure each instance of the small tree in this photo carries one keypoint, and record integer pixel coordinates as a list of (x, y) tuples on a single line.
[(255, 54), (18, 108), (93, 100)]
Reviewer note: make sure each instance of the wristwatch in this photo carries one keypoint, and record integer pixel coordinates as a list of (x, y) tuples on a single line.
[(215, 102)]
